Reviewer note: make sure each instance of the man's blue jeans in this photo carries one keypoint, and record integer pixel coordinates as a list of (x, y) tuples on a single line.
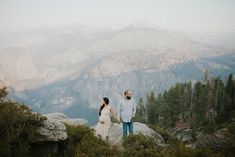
[(127, 126)]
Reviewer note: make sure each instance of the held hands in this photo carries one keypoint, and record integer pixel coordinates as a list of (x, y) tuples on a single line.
[(101, 122), (132, 119), (119, 120)]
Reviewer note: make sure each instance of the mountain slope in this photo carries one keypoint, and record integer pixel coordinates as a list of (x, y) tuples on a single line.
[(70, 71), (80, 95)]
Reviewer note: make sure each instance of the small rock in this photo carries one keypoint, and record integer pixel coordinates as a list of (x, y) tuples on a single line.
[(184, 135), (213, 141)]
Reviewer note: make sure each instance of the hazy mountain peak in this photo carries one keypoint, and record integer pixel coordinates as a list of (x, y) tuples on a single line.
[(144, 24)]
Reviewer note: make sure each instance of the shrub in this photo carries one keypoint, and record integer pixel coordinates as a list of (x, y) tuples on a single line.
[(83, 143), (180, 150), (168, 137), (229, 146), (17, 126), (140, 145)]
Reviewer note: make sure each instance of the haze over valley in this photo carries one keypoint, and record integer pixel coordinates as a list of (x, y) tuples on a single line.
[(59, 56), (68, 68)]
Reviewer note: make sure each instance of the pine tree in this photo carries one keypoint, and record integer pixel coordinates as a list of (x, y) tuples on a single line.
[(230, 86), (140, 113), (199, 95), (172, 106), (186, 94), (151, 108), (230, 90)]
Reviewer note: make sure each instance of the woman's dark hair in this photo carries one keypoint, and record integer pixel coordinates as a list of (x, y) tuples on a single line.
[(106, 100)]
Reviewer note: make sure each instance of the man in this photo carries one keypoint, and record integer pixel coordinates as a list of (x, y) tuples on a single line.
[(126, 112)]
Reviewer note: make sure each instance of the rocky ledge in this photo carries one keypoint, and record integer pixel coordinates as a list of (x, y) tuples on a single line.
[(115, 133), (54, 129)]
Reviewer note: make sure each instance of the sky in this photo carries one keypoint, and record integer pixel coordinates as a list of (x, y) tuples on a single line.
[(184, 15)]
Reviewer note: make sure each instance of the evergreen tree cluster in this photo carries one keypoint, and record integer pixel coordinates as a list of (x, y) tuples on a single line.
[(204, 102)]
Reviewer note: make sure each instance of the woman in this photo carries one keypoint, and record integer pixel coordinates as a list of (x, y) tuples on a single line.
[(104, 124)]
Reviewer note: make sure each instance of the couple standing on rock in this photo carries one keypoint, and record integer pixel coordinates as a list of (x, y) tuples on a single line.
[(125, 114)]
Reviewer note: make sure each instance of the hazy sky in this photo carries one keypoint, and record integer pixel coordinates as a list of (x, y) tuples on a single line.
[(187, 15)]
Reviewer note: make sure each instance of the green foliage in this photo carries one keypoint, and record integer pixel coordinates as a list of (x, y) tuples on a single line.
[(83, 143), (168, 137), (207, 103), (139, 146), (151, 106), (17, 126), (3, 93), (199, 103), (140, 113), (229, 147), (205, 106), (181, 150), (138, 142), (172, 107), (210, 127)]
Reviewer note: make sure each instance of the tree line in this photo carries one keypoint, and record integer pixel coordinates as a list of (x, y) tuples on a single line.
[(210, 101)]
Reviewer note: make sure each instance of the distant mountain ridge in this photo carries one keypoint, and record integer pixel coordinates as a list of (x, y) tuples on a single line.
[(70, 71)]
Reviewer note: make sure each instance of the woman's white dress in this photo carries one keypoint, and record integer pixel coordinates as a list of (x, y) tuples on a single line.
[(102, 129)]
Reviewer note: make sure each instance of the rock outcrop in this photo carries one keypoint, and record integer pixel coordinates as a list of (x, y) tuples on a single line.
[(54, 129), (203, 140), (115, 133), (66, 120), (51, 131)]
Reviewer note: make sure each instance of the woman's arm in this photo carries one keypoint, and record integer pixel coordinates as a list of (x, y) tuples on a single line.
[(114, 114)]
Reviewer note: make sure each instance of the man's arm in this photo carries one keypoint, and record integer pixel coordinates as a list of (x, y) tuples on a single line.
[(134, 109), (119, 108)]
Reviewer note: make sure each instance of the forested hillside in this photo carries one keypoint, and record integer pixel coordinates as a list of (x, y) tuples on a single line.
[(204, 103)]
